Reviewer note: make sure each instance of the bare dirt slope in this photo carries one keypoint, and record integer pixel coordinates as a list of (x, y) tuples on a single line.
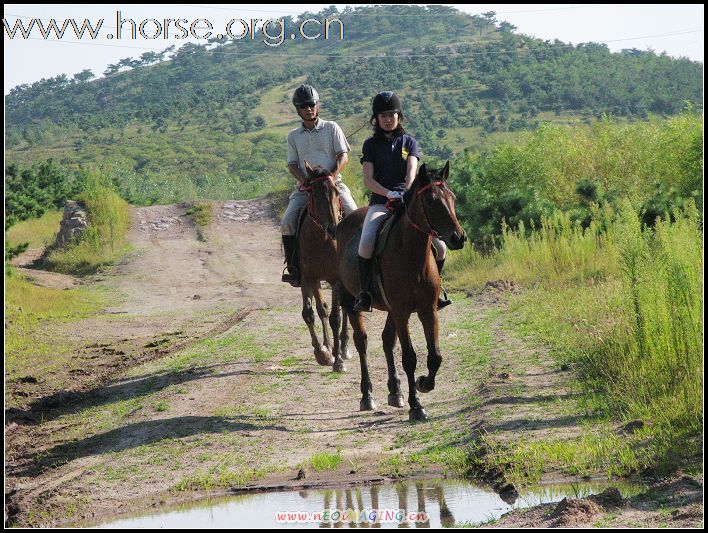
[(200, 377)]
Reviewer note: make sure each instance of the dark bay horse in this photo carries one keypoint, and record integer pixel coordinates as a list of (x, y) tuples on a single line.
[(410, 280), (318, 262)]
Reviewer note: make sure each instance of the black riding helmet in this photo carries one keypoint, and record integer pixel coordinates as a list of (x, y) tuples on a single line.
[(386, 101), (305, 94)]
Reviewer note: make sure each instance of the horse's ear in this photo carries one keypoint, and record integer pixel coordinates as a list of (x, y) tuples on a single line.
[(309, 169), (423, 174), (445, 171)]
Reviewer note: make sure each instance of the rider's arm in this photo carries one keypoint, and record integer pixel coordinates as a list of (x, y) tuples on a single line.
[(294, 169), (369, 181), (411, 169), (342, 160), (294, 160)]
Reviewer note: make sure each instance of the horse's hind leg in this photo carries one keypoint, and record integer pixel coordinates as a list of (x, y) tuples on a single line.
[(322, 353), (416, 412), (360, 341), (344, 337), (335, 321), (395, 398), (429, 319)]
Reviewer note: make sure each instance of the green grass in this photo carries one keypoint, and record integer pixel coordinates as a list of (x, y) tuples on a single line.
[(220, 476), (237, 347), (590, 454), (622, 305), (38, 232), (30, 314), (326, 461)]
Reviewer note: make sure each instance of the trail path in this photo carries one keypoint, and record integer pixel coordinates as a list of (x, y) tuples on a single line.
[(199, 376)]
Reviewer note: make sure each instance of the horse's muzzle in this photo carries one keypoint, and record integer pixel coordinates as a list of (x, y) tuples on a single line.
[(457, 240)]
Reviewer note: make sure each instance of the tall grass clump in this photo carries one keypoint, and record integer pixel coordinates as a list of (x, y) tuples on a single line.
[(104, 240), (651, 366), (560, 250), (622, 302)]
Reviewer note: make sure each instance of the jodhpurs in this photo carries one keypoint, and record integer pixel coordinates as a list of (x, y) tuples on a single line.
[(298, 200)]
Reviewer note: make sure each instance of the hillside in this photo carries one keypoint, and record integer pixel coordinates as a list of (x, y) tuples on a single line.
[(210, 121)]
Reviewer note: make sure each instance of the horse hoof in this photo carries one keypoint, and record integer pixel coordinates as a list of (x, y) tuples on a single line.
[(339, 366), (324, 357), (367, 404), (396, 400), (420, 385), (417, 415), (347, 355)]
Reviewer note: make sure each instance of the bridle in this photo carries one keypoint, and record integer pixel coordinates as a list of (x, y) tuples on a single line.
[(311, 203), (431, 232)]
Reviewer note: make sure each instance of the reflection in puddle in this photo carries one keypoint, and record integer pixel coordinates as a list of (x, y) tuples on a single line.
[(447, 502)]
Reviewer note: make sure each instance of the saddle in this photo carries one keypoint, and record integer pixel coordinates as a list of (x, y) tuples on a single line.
[(391, 218)]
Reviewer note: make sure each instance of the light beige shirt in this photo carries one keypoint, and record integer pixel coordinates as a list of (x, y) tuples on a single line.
[(319, 146)]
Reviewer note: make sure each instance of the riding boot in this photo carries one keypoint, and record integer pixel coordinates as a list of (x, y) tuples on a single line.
[(292, 275), (363, 301), (443, 300)]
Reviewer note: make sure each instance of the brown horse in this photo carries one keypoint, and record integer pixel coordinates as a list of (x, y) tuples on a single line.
[(410, 280), (318, 262)]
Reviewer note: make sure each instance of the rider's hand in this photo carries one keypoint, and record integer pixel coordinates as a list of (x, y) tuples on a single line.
[(394, 195)]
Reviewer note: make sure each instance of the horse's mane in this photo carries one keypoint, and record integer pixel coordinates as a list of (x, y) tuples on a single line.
[(409, 194)]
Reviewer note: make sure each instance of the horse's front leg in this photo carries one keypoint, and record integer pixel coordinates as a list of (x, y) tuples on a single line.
[(395, 398), (322, 353), (367, 402), (323, 313), (429, 319), (335, 322), (416, 412)]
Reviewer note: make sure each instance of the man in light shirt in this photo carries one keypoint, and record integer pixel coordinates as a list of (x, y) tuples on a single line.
[(319, 142)]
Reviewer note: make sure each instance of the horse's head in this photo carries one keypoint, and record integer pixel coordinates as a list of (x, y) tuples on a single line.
[(431, 203), (323, 204)]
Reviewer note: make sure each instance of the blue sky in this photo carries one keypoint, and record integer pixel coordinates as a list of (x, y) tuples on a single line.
[(675, 29)]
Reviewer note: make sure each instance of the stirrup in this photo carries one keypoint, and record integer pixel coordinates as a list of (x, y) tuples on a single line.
[(289, 277), (443, 300), (363, 302)]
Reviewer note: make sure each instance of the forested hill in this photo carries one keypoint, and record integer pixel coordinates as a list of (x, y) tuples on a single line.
[(222, 108)]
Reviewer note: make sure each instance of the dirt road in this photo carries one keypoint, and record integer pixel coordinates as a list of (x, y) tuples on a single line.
[(200, 377)]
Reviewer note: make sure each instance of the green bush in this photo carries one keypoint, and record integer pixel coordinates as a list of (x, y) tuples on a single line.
[(578, 167)]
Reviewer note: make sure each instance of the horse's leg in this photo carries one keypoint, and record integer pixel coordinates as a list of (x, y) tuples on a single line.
[(323, 313), (416, 412), (344, 334), (395, 398), (308, 315), (429, 319), (335, 322), (360, 341)]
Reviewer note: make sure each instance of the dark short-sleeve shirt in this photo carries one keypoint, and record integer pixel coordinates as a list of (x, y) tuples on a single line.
[(390, 159)]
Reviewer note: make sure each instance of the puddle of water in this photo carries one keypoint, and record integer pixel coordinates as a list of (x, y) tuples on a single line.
[(447, 502)]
